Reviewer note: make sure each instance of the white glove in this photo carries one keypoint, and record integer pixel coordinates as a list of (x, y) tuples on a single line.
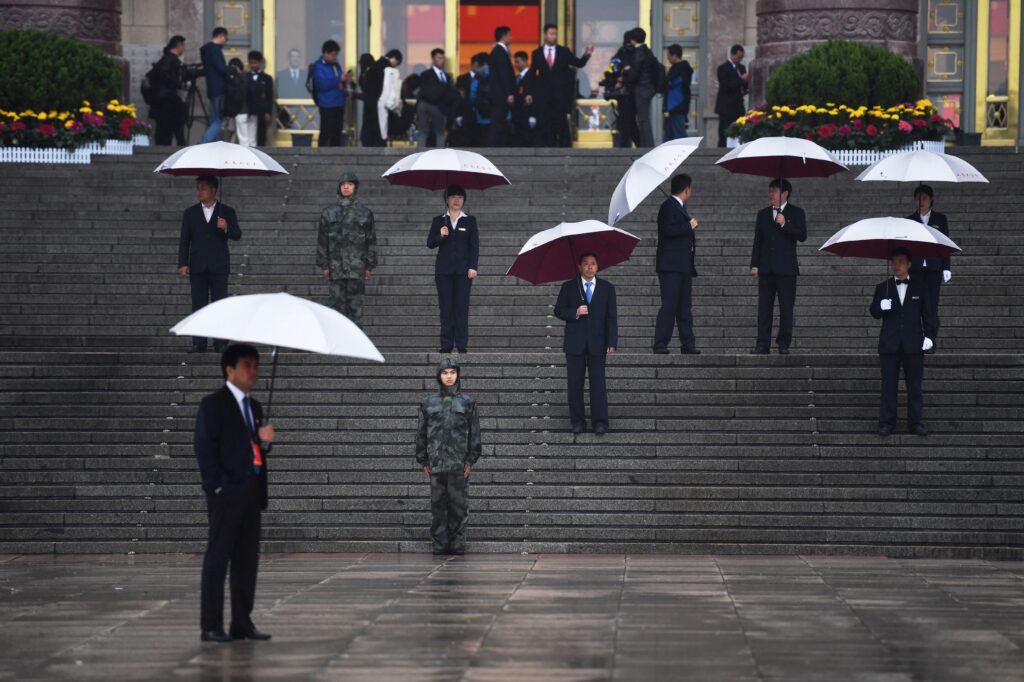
[(458, 121), (927, 345), (533, 122), (886, 304), (946, 276)]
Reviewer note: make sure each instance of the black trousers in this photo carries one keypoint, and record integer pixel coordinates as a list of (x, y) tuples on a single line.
[(429, 119), (626, 130), (170, 121), (932, 280), (676, 310), (261, 131), (233, 539), (554, 125), (453, 300), (726, 119), (449, 511), (498, 134), (913, 376), (644, 126), (206, 288), (770, 287), (577, 367), (332, 121)]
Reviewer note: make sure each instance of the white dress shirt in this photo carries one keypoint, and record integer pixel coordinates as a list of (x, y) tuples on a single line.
[(208, 212), (926, 219), (549, 53), (902, 290), (440, 75), (239, 396), (455, 221), (294, 73)]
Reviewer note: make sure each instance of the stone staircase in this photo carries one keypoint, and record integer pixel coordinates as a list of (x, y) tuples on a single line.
[(724, 452)]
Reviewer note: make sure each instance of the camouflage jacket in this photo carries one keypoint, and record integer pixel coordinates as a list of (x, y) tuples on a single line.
[(449, 429), (347, 240)]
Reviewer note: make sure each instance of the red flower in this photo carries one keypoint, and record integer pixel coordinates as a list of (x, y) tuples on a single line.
[(18, 126), (1, 127), (826, 130), (857, 124), (936, 118), (920, 122), (872, 131), (789, 125), (46, 129), (808, 136), (76, 127), (844, 130)]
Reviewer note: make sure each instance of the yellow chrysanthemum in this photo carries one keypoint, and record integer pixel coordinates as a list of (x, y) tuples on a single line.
[(742, 120), (85, 110), (68, 124), (42, 116)]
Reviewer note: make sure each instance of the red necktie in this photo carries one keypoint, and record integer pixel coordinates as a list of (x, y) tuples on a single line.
[(551, 58)]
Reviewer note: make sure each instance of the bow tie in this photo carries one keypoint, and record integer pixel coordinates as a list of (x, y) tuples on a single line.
[(902, 281)]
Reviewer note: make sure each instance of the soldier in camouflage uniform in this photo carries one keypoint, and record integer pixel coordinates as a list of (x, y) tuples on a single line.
[(447, 447), (347, 249)]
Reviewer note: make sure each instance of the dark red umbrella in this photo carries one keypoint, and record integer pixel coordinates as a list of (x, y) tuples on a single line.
[(781, 157), (551, 255)]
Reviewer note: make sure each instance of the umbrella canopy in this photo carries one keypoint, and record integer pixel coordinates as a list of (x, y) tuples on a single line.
[(922, 166), (550, 256), (781, 157), (280, 320), (438, 168), (648, 172), (877, 237), (223, 159)]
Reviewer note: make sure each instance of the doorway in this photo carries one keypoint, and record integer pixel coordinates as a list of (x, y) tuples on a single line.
[(479, 18)]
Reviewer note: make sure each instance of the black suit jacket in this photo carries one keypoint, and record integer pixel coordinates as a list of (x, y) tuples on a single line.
[(557, 85), (591, 334), (503, 76), (938, 221), (460, 250), (432, 90), (731, 88), (774, 251), (202, 247), (259, 93), (676, 239), (905, 325), (223, 447), (526, 86)]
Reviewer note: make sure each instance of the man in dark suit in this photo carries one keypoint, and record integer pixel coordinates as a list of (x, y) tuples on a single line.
[(203, 255), (502, 86), (260, 95), (231, 445), (909, 326), (525, 108), (457, 241), (773, 262), (732, 86), (934, 271), (639, 79), (291, 82), (215, 69), (434, 98), (554, 66), (674, 262), (587, 305)]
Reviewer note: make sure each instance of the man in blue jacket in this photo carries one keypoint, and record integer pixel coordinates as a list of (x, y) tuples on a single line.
[(675, 266), (329, 81), (203, 256), (587, 306), (216, 69)]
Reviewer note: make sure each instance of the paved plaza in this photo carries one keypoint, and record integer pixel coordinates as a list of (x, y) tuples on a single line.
[(509, 617)]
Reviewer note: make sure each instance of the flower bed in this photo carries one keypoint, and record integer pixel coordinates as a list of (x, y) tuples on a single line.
[(70, 136), (843, 127)]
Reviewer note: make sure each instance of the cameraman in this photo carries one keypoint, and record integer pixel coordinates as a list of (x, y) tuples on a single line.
[(215, 70), (169, 109)]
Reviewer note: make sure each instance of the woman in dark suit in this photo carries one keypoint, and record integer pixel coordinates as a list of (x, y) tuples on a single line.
[(455, 237)]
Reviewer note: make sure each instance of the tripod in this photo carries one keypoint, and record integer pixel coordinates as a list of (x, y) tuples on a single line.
[(191, 99)]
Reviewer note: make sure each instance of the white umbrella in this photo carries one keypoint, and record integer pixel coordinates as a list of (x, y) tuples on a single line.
[(781, 157), (437, 168), (223, 159), (877, 237), (280, 320), (922, 166), (646, 173)]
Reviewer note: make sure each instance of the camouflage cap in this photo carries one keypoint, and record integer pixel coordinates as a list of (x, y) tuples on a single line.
[(348, 176)]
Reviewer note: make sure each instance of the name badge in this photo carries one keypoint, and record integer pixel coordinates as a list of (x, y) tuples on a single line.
[(914, 298), (461, 229)]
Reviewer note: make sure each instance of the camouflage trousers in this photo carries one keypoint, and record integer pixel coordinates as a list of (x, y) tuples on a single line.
[(449, 511), (346, 296)]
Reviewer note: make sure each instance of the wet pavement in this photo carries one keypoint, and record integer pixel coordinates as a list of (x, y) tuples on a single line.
[(497, 618)]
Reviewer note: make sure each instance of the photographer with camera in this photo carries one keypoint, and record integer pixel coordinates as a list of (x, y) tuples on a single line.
[(215, 70), (168, 109)]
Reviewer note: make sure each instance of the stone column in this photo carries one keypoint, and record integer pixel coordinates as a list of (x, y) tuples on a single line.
[(95, 21), (787, 27)]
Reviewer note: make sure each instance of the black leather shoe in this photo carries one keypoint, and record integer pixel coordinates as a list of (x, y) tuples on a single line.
[(884, 430), (660, 350), (577, 429), (919, 430), (458, 552), (760, 350), (930, 351), (600, 428), (251, 633), (441, 552), (690, 351), (463, 351), (783, 350), (214, 636), (445, 350)]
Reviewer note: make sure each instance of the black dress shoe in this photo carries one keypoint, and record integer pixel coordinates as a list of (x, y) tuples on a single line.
[(445, 350), (600, 428), (441, 552), (884, 430), (660, 350), (760, 350), (251, 633), (783, 350), (919, 430), (690, 351), (214, 636), (463, 351), (577, 429), (930, 351), (458, 552)]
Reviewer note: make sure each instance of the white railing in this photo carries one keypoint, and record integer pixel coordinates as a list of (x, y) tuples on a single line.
[(81, 155), (866, 157)]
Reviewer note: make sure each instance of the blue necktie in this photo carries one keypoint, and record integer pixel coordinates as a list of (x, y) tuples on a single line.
[(590, 292)]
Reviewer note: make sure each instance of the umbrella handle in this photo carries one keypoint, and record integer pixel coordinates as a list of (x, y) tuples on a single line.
[(579, 284), (270, 395)]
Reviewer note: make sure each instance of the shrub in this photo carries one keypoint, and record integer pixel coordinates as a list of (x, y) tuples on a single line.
[(844, 72), (46, 71)]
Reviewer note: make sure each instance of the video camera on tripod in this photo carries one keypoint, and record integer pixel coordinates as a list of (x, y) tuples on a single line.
[(191, 72)]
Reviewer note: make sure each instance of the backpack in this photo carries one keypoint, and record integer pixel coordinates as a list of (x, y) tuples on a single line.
[(311, 83), (234, 92), (148, 85), (659, 79)]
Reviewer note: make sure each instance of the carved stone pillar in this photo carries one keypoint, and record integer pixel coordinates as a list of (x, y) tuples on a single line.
[(95, 21), (787, 27)]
